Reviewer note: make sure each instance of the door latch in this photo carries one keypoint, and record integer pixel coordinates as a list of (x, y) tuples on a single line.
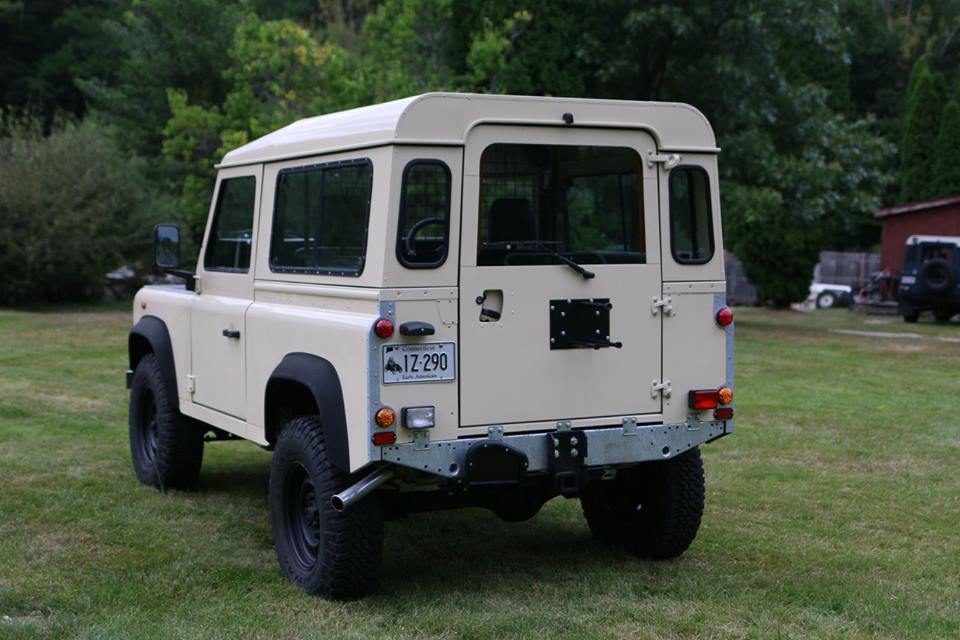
[(191, 384), (666, 303), (660, 387)]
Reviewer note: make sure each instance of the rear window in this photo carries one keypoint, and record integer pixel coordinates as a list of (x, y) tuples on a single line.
[(581, 202), (691, 224), (320, 219), (422, 234)]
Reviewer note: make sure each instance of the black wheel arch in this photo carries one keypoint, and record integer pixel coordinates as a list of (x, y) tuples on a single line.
[(150, 335), (306, 384)]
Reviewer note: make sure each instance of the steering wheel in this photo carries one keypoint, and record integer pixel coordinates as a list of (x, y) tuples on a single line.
[(415, 229)]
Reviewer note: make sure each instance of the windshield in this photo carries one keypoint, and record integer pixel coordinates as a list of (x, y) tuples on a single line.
[(581, 202)]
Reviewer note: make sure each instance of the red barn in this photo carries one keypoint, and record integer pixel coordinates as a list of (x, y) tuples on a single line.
[(940, 217)]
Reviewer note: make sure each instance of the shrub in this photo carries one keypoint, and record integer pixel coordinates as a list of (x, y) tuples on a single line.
[(72, 207)]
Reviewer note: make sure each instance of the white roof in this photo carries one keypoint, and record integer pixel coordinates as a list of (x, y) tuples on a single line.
[(447, 118), (954, 240)]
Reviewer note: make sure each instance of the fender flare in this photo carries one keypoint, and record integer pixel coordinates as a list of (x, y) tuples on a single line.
[(150, 334), (320, 378)]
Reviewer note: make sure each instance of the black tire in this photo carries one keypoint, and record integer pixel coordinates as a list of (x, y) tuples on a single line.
[(936, 276), (166, 446), (826, 300), (942, 315), (910, 314), (324, 552), (653, 509)]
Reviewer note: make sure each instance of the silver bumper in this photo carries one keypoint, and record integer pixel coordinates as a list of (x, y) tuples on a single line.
[(606, 446)]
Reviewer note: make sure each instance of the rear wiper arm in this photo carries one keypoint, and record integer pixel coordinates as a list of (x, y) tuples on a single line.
[(570, 262)]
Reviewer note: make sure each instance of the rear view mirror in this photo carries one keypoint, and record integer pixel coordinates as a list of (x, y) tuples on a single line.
[(166, 246)]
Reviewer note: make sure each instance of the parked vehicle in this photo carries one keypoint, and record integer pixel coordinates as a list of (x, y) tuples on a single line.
[(448, 301), (829, 296), (929, 279)]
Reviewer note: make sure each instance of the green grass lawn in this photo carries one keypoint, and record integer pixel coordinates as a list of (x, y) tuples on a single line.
[(833, 511)]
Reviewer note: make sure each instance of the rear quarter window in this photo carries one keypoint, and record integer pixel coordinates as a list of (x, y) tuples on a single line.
[(691, 218)]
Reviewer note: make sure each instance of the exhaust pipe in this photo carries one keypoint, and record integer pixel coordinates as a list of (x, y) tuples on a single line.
[(342, 501)]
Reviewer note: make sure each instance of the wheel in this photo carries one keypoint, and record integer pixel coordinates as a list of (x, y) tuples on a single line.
[(653, 509), (911, 315), (325, 553), (942, 315), (826, 300), (936, 276), (166, 446)]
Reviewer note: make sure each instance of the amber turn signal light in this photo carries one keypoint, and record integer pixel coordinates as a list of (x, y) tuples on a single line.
[(386, 417), (382, 438), (725, 395)]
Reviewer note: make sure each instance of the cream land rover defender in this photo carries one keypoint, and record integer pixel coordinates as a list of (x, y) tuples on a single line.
[(449, 301)]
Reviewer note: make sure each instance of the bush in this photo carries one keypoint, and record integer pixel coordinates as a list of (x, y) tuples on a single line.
[(72, 207)]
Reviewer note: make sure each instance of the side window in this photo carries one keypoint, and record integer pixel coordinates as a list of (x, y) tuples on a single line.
[(424, 227), (320, 219), (231, 234), (691, 223)]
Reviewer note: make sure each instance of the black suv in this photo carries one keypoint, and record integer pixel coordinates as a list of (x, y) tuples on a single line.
[(929, 278)]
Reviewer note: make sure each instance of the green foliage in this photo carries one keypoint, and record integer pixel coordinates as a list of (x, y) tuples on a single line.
[(946, 152), (73, 207), (277, 72), (925, 106)]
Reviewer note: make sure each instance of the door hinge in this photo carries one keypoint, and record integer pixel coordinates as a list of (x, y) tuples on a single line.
[(191, 384), (668, 160), (665, 302), (660, 387)]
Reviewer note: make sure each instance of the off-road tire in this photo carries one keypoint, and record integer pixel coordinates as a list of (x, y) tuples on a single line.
[(942, 315), (826, 300), (653, 509), (324, 552), (911, 315), (166, 446)]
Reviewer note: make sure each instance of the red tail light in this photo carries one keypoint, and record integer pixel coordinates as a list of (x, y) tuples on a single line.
[(723, 413), (383, 328), (703, 399), (724, 316), (382, 438)]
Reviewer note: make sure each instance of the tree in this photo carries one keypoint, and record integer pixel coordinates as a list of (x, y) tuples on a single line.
[(74, 206), (946, 163), (277, 73), (924, 109)]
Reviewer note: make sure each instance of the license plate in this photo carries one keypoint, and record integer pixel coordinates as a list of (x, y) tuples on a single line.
[(908, 279), (427, 362)]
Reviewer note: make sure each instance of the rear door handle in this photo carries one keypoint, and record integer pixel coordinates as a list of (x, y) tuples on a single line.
[(416, 329), (231, 333)]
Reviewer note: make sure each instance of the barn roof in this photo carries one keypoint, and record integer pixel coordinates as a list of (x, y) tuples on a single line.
[(912, 207), (447, 118)]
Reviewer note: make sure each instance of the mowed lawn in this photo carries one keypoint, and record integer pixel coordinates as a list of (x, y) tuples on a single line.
[(833, 511)]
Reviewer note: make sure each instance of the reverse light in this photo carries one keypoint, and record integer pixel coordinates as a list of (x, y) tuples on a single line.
[(703, 399), (385, 417), (725, 395), (723, 413), (382, 438), (383, 328), (724, 316), (418, 417)]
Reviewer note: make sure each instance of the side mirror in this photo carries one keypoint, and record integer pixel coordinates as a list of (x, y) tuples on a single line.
[(166, 246)]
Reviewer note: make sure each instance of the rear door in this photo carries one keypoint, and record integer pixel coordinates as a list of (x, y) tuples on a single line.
[(539, 341)]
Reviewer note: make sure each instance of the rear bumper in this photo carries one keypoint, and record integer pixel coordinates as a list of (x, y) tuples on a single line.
[(607, 446)]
